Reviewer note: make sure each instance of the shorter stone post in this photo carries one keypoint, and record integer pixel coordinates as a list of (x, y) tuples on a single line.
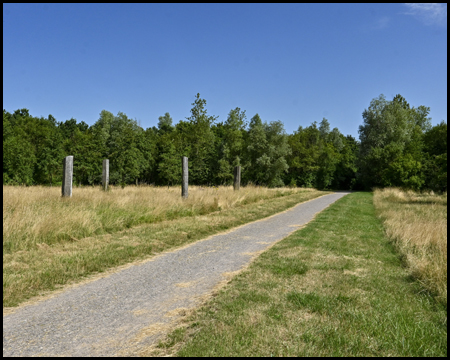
[(67, 176), (185, 177), (237, 178), (105, 174)]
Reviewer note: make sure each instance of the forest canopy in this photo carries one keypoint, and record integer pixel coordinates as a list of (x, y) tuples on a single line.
[(397, 147)]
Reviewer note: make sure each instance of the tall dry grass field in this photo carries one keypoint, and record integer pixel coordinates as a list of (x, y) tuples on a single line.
[(417, 222), (39, 215)]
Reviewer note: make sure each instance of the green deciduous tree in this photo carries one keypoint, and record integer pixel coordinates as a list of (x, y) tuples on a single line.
[(345, 177), (50, 157), (303, 162), (19, 158), (165, 123), (200, 143), (234, 130), (126, 160), (169, 165), (267, 149), (391, 143), (230, 141), (435, 154)]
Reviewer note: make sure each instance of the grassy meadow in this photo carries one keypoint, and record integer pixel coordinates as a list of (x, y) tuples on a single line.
[(366, 277), (38, 215), (337, 287), (417, 224), (49, 241)]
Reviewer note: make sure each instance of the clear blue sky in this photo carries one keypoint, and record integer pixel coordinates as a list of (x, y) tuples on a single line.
[(296, 63)]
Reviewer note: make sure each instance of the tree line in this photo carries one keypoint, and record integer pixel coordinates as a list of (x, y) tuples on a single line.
[(397, 147)]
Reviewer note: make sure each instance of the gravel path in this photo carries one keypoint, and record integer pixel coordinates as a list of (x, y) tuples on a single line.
[(128, 310)]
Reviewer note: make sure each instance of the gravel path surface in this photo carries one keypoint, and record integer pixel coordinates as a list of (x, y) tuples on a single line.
[(128, 310)]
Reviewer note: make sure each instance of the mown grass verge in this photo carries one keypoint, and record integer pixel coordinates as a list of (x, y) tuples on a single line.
[(334, 288), (40, 268)]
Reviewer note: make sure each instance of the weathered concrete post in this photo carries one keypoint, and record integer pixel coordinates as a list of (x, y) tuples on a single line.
[(185, 177), (67, 176), (237, 177), (105, 175)]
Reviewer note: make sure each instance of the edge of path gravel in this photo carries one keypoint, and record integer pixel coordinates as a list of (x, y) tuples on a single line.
[(93, 277)]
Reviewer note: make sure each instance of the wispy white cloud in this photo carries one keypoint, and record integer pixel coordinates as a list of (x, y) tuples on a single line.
[(430, 14), (381, 23)]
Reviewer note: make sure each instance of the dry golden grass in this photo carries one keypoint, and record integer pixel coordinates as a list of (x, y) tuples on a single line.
[(37, 215), (417, 222)]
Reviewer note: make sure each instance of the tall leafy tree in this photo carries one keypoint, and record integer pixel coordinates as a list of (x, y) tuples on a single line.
[(435, 154), (327, 162), (147, 145), (102, 131), (126, 158), (345, 175), (391, 143), (201, 142), (230, 138), (234, 130), (87, 148), (267, 150), (278, 150), (255, 160), (165, 123), (19, 159), (324, 129), (303, 163), (169, 166), (50, 155)]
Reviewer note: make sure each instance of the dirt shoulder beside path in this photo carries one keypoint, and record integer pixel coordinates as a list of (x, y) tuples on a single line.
[(133, 308)]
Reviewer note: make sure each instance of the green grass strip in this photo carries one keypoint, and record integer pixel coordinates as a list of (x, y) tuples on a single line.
[(334, 288)]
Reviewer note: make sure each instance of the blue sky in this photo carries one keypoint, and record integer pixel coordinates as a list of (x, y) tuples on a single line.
[(296, 63)]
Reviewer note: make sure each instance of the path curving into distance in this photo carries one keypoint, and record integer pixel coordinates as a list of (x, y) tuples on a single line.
[(131, 309)]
